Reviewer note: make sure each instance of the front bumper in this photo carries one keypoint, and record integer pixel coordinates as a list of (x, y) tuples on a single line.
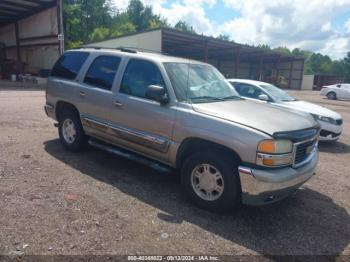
[(330, 132), (264, 186)]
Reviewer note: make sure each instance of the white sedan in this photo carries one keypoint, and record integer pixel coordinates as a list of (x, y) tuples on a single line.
[(339, 91), (330, 121)]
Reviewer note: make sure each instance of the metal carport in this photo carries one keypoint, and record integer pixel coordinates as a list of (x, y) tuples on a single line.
[(234, 60), (30, 34)]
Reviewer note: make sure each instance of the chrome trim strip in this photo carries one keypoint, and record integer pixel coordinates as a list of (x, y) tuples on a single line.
[(304, 141), (245, 170), (94, 124), (94, 121), (155, 143)]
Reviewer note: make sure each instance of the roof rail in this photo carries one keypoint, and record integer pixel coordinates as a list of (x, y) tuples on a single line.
[(141, 49), (128, 49), (123, 49)]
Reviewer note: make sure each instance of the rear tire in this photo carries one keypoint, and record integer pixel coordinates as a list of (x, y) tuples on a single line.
[(211, 181), (70, 131), (332, 96)]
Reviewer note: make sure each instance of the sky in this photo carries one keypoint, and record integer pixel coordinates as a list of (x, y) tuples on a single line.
[(318, 25)]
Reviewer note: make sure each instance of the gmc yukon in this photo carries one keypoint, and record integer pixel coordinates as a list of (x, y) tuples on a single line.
[(174, 113)]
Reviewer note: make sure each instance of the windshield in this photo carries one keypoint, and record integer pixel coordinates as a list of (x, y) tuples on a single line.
[(199, 83), (277, 94)]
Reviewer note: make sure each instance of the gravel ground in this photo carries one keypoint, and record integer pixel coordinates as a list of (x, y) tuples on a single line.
[(57, 202)]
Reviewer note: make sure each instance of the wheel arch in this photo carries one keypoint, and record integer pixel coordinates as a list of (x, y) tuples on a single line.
[(62, 106), (331, 91), (193, 144)]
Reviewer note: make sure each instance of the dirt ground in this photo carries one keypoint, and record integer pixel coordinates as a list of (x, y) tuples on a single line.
[(57, 202)]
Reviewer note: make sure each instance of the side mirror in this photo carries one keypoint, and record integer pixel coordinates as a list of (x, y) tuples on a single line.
[(157, 93), (263, 97), (338, 85)]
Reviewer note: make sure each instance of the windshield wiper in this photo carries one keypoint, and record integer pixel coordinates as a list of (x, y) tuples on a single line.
[(289, 100), (232, 98), (206, 98)]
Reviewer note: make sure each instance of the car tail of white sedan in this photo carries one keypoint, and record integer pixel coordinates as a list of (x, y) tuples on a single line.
[(339, 91)]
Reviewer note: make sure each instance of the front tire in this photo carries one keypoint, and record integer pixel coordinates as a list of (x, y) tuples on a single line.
[(70, 131), (332, 96), (211, 181)]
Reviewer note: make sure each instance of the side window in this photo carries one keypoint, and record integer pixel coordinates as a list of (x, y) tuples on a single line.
[(102, 72), (249, 91), (139, 74), (69, 65), (236, 86)]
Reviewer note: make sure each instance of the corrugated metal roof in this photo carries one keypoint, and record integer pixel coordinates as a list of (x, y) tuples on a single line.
[(14, 10), (195, 46)]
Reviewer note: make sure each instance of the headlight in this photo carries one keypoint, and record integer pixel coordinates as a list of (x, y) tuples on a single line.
[(275, 146), (324, 119), (275, 153)]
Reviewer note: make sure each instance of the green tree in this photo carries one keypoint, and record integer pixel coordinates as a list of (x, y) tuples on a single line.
[(224, 37), (184, 27), (99, 34), (142, 17), (338, 67), (282, 50), (122, 25), (264, 46), (158, 23), (81, 17), (346, 67), (122, 29), (319, 63), (301, 53)]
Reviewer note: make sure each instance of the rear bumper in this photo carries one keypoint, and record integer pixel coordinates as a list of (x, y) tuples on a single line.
[(262, 186)]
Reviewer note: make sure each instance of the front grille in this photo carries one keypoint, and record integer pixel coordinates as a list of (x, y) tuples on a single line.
[(303, 150), (339, 122)]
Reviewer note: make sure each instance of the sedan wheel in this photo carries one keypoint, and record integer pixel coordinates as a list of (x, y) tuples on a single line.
[(331, 96)]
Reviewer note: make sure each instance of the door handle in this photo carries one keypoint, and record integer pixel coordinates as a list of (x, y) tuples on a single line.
[(117, 104), (82, 94)]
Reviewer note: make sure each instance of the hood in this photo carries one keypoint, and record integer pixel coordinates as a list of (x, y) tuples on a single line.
[(263, 117), (310, 108)]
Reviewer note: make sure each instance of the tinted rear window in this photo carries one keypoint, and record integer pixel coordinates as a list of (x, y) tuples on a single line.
[(69, 65), (102, 72)]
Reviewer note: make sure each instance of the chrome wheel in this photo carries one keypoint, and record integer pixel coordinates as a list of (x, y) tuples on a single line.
[(207, 182), (68, 130)]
